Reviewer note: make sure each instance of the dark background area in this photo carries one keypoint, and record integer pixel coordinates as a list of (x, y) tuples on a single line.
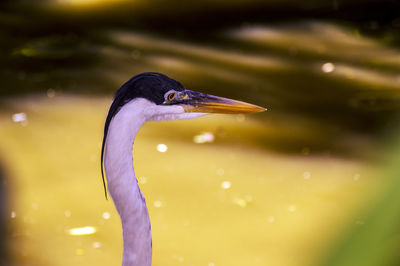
[(57, 47), (70, 31)]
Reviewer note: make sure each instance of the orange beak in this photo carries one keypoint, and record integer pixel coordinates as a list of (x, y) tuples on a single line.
[(205, 103)]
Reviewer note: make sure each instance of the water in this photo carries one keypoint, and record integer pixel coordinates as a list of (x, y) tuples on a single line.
[(259, 187), (334, 83)]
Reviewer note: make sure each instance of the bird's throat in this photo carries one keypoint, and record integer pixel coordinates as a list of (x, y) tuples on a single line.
[(123, 187)]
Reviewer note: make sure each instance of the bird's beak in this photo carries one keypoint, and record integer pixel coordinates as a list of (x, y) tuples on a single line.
[(198, 102)]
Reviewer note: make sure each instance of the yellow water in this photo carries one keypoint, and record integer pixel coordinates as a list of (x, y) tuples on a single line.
[(228, 202)]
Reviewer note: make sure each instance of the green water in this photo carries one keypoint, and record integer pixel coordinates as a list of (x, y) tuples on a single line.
[(57, 49)]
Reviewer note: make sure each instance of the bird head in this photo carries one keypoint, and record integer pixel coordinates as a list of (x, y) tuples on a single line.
[(163, 98), (169, 100)]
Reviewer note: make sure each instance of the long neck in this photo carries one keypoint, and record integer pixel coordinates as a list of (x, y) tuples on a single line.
[(124, 189)]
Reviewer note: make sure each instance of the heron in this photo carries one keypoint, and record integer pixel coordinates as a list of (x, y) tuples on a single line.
[(146, 97)]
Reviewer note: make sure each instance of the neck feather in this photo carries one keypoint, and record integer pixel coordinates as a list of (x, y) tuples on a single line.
[(123, 186)]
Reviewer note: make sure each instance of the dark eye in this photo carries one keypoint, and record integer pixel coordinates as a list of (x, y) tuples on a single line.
[(171, 96)]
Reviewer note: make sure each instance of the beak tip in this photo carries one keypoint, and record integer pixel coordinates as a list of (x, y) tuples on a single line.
[(261, 109)]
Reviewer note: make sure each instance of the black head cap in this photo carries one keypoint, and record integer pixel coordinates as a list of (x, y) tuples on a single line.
[(151, 86)]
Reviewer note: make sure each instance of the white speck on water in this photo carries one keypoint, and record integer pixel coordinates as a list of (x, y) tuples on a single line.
[(356, 177), (271, 219), (205, 137), (306, 175), (220, 171), (13, 214), (142, 180), (328, 67), (226, 185), (292, 208), (106, 215), (79, 231), (20, 118), (96, 244), (158, 204), (162, 147), (67, 213)]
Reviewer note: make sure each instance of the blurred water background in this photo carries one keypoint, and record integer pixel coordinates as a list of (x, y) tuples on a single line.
[(310, 182)]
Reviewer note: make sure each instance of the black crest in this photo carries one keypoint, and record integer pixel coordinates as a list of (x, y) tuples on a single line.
[(151, 86)]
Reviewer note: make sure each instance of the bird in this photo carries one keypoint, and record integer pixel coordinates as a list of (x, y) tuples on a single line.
[(148, 96)]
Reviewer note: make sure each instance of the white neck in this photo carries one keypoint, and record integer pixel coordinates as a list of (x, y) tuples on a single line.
[(123, 186), (121, 179)]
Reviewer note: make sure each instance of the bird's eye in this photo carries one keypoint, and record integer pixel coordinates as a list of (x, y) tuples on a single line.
[(171, 96)]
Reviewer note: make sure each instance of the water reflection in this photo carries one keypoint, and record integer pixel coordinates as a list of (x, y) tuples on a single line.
[(255, 63), (158, 203), (223, 56), (328, 67), (318, 39), (226, 185), (97, 244), (352, 78), (162, 147), (85, 3), (20, 118), (205, 137), (106, 215), (368, 77), (81, 231)]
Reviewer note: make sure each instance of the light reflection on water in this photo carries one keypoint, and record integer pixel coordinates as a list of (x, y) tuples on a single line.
[(205, 137), (319, 39), (146, 41), (81, 231), (162, 147), (79, 4), (322, 39), (351, 78), (226, 185), (328, 67), (106, 215), (367, 76)]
